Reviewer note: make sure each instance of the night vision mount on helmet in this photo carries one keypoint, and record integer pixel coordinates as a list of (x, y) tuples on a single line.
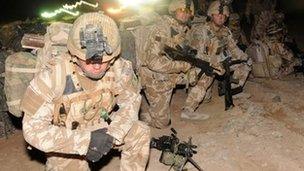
[(95, 42)]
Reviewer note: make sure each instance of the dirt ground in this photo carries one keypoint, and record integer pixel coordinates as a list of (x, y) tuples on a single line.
[(265, 131)]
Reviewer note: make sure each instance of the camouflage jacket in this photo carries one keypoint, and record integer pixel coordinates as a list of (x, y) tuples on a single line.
[(157, 67), (167, 32), (81, 104), (211, 42)]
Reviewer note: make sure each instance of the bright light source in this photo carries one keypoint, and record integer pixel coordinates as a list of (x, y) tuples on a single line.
[(58, 11), (115, 10), (67, 9), (135, 4)]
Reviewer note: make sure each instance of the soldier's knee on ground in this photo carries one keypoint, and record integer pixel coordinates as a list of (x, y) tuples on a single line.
[(161, 123), (139, 132), (135, 151), (241, 73)]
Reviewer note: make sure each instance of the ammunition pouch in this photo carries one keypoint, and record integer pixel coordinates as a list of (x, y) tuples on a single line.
[(171, 159)]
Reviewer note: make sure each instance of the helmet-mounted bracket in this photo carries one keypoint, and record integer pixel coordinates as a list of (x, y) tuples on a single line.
[(95, 43)]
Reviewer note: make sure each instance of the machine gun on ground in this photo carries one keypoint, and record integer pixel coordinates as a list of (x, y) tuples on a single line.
[(175, 153)]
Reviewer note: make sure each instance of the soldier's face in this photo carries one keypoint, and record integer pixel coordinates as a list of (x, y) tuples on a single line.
[(94, 69), (183, 16), (219, 19)]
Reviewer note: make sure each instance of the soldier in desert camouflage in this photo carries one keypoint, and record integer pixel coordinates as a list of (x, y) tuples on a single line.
[(69, 105), (211, 40), (159, 74), (262, 12), (278, 59)]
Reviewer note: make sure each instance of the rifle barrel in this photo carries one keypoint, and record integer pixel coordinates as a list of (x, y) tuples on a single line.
[(194, 164)]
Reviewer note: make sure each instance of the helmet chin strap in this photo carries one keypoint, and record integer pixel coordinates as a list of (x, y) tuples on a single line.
[(95, 77)]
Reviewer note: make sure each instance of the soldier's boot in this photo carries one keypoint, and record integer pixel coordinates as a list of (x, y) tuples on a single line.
[(193, 115), (156, 123), (135, 151)]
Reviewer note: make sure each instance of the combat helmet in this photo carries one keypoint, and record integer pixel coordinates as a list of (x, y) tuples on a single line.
[(181, 5), (219, 7), (94, 35)]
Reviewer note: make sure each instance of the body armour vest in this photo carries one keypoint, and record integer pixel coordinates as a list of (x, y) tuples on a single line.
[(85, 103)]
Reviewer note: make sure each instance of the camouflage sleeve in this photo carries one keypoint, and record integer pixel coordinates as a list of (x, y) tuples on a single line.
[(128, 99), (156, 60), (38, 129), (39, 132), (236, 52)]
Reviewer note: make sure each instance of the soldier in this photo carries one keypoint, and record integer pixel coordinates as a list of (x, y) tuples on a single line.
[(69, 105), (262, 12), (281, 59), (211, 40), (159, 75), (234, 25)]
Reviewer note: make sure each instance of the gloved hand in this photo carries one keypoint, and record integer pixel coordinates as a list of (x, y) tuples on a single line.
[(220, 70), (192, 75), (183, 66), (100, 144), (249, 62)]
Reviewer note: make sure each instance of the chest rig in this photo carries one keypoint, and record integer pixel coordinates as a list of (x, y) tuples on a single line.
[(84, 102), (175, 33), (217, 41)]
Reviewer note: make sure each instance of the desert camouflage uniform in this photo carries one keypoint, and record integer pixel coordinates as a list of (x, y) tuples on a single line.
[(262, 12), (260, 25), (159, 75), (210, 42), (234, 25), (62, 107), (275, 40), (277, 59)]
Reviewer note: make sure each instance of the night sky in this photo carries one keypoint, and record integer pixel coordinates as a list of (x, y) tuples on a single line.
[(21, 9)]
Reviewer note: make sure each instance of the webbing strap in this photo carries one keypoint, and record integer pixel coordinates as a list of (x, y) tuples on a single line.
[(22, 70), (13, 102)]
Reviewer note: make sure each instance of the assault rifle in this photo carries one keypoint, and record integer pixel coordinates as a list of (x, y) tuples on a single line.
[(225, 81), (188, 54), (175, 153)]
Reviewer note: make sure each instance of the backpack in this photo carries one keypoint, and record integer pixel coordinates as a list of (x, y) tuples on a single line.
[(264, 63), (21, 67), (135, 33)]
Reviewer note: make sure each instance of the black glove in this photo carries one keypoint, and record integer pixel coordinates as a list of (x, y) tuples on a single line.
[(100, 144)]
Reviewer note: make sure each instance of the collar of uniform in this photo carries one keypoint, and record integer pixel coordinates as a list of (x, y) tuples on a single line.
[(214, 27), (177, 25)]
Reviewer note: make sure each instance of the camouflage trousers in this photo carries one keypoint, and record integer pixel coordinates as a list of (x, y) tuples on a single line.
[(241, 73), (134, 155), (197, 93), (158, 88), (159, 107)]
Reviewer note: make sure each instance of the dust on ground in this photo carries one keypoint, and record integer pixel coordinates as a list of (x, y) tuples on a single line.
[(265, 131)]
